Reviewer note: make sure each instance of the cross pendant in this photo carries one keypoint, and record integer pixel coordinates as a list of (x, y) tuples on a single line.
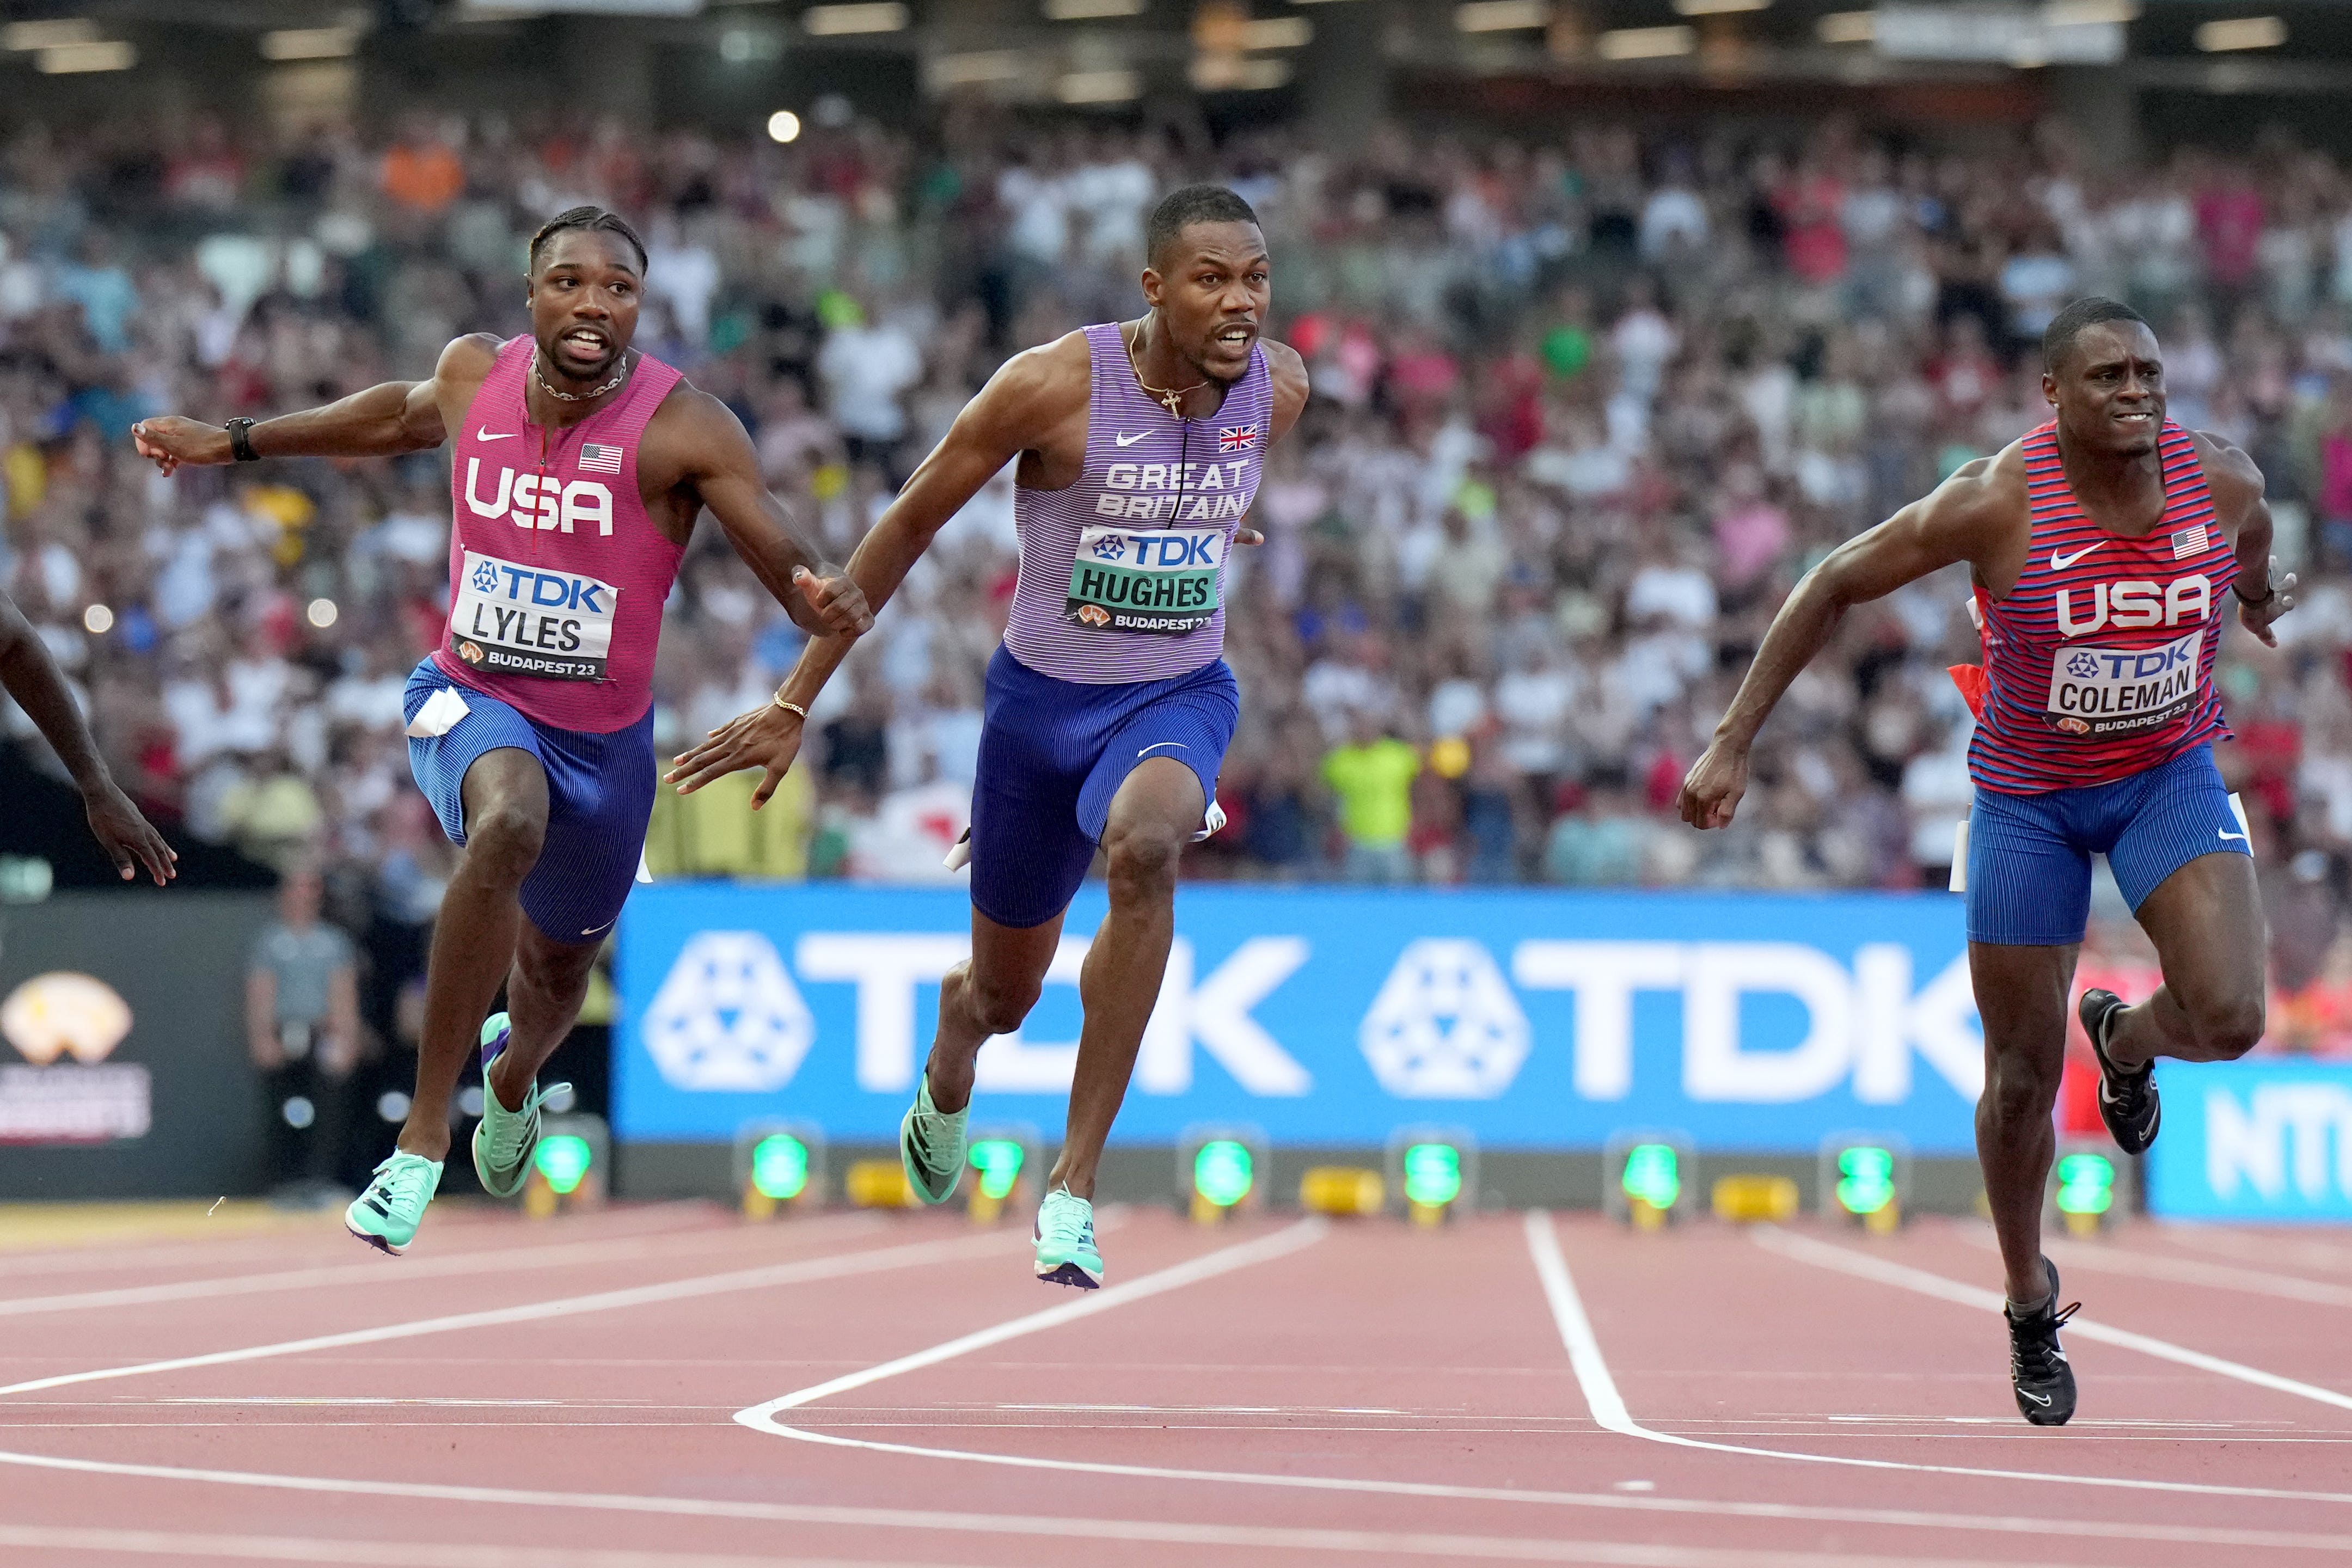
[(1175, 402)]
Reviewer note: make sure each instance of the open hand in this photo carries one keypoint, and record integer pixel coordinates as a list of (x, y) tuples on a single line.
[(1711, 790), (168, 440), (838, 602), (767, 738), (2257, 615), (129, 839)]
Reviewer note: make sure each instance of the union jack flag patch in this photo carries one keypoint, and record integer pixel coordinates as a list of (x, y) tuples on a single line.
[(595, 458), (2189, 542), (1235, 438)]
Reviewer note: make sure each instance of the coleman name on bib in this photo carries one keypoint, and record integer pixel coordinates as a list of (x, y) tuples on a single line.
[(2105, 691), (527, 620), (1133, 580)]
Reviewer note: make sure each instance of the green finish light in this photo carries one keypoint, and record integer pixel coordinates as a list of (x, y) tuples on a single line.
[(564, 1160), (1654, 1175), (1223, 1171), (1865, 1179), (1432, 1175), (780, 1166), (2086, 1183), (998, 1161)]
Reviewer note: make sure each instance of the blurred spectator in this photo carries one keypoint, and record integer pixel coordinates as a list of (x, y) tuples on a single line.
[(302, 1029), (1372, 776)]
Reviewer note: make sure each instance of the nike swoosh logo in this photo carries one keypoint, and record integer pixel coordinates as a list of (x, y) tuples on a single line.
[(592, 931), (2239, 836), (1157, 744), (482, 434), (2060, 562), (1129, 440), (2037, 1399)]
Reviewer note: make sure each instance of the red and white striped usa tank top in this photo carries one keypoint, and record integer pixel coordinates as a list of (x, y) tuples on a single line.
[(1123, 573), (557, 574), (2099, 664)]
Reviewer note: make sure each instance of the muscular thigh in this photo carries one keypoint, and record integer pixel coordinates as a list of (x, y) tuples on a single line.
[(2206, 921)]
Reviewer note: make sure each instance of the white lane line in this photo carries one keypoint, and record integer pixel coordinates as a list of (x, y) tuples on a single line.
[(1265, 1538), (298, 1549), (390, 1555), (1225, 1260), (762, 1419), (162, 1250), (381, 1271), (2181, 1270), (1805, 1250), (1609, 1406), (833, 1267)]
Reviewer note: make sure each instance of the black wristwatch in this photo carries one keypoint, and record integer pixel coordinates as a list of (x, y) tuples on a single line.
[(240, 441), (2270, 592)]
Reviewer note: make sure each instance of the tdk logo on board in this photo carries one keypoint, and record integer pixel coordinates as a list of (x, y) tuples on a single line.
[(1445, 1025), (727, 1016)]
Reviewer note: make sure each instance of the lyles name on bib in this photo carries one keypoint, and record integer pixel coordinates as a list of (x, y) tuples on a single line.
[(512, 619)]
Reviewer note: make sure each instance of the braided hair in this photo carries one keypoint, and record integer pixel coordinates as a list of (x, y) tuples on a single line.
[(587, 217)]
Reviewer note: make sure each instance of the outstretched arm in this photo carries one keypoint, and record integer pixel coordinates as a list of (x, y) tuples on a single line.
[(1020, 402), (32, 677), (1960, 520), (725, 473), (384, 420)]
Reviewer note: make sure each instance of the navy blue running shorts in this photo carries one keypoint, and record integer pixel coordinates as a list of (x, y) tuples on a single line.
[(1052, 756), (600, 797), (2029, 879)]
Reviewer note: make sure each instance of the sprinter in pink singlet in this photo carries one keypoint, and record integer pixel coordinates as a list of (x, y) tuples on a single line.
[(581, 466), (2104, 549), (1109, 706)]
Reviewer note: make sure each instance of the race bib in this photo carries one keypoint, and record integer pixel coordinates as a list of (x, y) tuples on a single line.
[(1161, 581), (2107, 691), (528, 620)]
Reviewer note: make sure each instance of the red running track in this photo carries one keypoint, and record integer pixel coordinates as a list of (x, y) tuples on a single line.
[(669, 1386)]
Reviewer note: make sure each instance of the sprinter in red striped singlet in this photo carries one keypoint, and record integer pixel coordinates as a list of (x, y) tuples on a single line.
[(2104, 549), (1109, 706), (581, 467)]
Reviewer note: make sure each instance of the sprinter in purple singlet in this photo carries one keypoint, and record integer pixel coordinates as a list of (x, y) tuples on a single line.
[(1109, 708)]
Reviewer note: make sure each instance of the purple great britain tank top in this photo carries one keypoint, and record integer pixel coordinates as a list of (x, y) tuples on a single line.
[(1123, 573)]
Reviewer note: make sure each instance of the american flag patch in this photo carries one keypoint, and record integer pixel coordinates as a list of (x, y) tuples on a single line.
[(601, 459), (2189, 542), (1234, 438)]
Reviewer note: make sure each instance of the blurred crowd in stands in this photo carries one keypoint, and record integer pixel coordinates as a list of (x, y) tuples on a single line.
[(1586, 407)]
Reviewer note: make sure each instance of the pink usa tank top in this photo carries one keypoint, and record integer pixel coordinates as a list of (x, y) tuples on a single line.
[(557, 572), (1123, 573)]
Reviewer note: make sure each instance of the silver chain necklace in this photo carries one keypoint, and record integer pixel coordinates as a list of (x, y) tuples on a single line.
[(619, 376)]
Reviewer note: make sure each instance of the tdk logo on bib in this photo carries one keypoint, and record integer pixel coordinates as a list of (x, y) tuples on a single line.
[(512, 619), (2105, 692)]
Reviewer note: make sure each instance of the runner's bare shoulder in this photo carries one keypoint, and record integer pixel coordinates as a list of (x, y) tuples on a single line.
[(2230, 473), (1039, 388), (1983, 500), (1288, 370), (468, 359)]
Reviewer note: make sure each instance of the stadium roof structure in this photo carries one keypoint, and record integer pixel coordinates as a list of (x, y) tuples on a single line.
[(1103, 54)]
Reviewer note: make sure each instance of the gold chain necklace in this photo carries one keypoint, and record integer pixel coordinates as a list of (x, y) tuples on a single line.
[(619, 376), (1173, 401)]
